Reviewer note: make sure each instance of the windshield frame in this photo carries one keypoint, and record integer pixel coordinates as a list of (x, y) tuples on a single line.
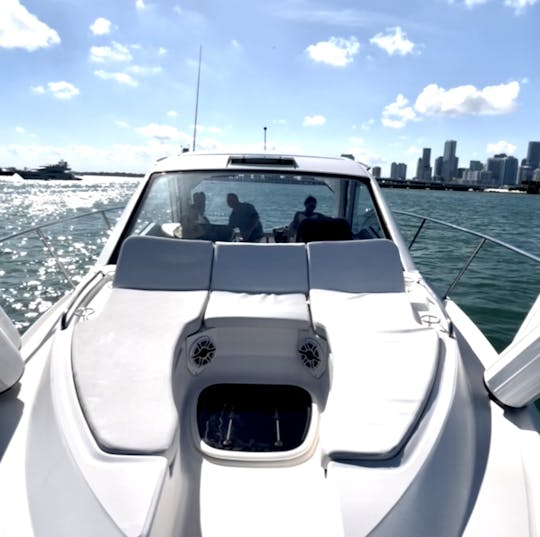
[(329, 180)]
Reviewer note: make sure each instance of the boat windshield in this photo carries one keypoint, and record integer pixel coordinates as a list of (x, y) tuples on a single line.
[(256, 207)]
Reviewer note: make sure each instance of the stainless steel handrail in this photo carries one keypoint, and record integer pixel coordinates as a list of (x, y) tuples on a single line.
[(38, 231), (483, 239), (65, 219)]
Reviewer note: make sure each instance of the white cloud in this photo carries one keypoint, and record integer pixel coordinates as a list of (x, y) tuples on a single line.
[(472, 3), (20, 29), (364, 154), (519, 6), (337, 51), (163, 133), (139, 4), (413, 150), (395, 41), (115, 53), (121, 78), (469, 3), (467, 100), (20, 130), (119, 157), (314, 121), (236, 45), (172, 113), (144, 71), (459, 101), (162, 51), (501, 147), (101, 26), (397, 114), (63, 90), (121, 124)]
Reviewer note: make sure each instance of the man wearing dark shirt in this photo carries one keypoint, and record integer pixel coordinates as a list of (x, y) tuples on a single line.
[(246, 218)]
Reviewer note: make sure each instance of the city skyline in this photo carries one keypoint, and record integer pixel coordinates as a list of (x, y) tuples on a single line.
[(500, 169)]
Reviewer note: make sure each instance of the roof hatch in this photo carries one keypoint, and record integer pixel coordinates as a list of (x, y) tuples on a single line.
[(261, 160)]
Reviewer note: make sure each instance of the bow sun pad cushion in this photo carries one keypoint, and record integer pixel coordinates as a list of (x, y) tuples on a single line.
[(380, 387), (122, 365), (232, 309), (384, 360), (123, 358)]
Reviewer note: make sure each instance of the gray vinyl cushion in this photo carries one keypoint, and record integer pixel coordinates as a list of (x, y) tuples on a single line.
[(364, 266), (260, 268), (156, 263)]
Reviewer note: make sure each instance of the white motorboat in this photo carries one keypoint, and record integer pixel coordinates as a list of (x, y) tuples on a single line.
[(198, 384)]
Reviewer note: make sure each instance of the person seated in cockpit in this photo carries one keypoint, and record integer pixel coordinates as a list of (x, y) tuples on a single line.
[(310, 204), (196, 224)]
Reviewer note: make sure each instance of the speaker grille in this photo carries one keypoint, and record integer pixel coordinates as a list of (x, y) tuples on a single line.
[(310, 353), (203, 351)]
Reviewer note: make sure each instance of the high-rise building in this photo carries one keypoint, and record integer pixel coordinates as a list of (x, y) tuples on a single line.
[(450, 161), (525, 173), (495, 165), (398, 171), (376, 171), (438, 168), (510, 172), (471, 176), (533, 155), (475, 166), (423, 169), (504, 169)]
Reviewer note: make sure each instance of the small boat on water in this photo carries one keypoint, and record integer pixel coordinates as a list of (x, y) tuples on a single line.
[(50, 172), (224, 370)]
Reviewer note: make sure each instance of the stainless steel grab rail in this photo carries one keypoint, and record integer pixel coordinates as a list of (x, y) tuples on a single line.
[(38, 230), (483, 239)]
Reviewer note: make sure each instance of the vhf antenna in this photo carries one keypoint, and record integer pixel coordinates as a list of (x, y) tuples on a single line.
[(197, 100)]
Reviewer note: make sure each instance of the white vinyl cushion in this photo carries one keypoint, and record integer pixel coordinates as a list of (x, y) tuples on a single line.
[(164, 264), (363, 266), (233, 309), (260, 268), (362, 312), (380, 386), (122, 365)]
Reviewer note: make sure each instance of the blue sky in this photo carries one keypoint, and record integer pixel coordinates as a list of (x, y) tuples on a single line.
[(110, 85)]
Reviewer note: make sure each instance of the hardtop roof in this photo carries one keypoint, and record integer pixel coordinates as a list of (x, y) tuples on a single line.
[(258, 161)]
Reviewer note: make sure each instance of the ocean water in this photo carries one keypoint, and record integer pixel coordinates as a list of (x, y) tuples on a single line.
[(497, 291)]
